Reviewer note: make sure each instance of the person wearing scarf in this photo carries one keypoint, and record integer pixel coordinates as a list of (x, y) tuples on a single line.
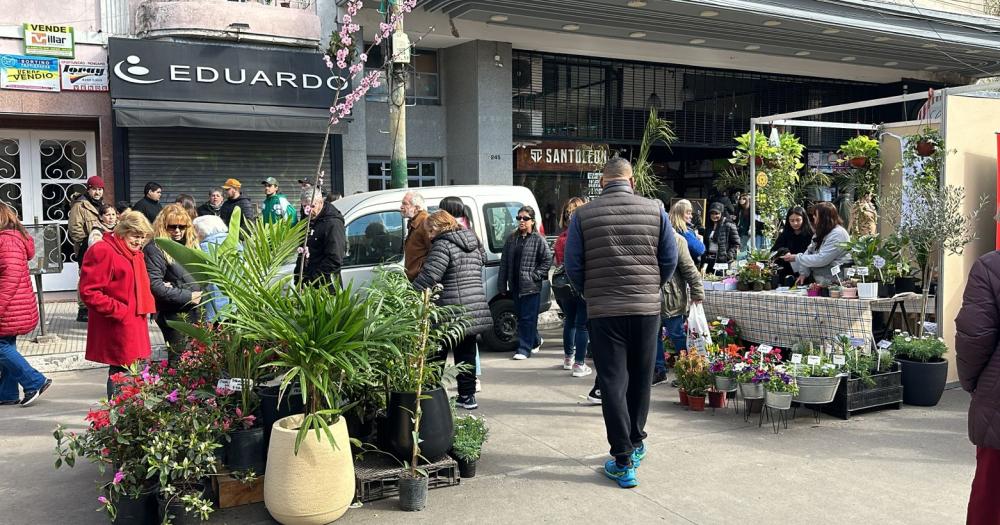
[(115, 287)]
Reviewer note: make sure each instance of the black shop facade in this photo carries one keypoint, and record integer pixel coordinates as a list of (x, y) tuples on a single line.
[(555, 171), (189, 116)]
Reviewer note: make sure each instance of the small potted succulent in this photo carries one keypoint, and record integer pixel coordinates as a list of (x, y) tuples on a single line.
[(849, 289)]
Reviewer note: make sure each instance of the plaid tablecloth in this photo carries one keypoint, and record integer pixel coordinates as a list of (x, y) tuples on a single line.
[(782, 319)]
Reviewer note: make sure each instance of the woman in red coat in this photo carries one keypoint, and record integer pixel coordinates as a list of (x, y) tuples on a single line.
[(115, 287), (18, 312)]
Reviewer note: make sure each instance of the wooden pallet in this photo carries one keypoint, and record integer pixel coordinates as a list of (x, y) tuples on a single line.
[(231, 492)]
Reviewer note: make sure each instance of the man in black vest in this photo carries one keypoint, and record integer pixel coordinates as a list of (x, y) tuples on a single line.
[(620, 251)]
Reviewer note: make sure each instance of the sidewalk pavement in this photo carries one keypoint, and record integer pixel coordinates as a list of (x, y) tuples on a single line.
[(67, 350), (541, 465)]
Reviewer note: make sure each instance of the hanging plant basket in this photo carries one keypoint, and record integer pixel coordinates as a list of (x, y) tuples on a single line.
[(926, 148), (858, 162)]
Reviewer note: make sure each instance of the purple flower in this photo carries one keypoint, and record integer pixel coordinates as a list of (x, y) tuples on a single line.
[(119, 476), (102, 500), (172, 397)]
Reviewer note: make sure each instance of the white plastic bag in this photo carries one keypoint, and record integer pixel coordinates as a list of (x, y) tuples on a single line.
[(699, 335)]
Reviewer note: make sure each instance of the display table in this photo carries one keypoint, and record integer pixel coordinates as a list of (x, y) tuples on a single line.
[(783, 319)]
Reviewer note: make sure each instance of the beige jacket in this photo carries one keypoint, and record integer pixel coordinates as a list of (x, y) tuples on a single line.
[(675, 292), (82, 218)]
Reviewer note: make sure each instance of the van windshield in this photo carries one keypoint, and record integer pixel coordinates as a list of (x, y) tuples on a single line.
[(500, 220)]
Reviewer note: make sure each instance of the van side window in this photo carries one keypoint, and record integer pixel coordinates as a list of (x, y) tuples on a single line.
[(501, 220), (376, 238)]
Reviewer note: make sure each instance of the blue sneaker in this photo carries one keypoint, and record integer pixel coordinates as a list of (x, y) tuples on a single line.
[(638, 455), (624, 476)]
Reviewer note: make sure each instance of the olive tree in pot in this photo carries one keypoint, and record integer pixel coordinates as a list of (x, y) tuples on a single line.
[(470, 434), (925, 372)]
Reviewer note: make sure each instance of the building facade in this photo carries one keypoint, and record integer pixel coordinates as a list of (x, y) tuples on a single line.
[(529, 92)]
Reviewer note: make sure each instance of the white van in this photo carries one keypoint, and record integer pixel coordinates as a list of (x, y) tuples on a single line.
[(375, 233)]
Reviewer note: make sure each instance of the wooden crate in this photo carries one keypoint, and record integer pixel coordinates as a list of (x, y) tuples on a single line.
[(231, 492)]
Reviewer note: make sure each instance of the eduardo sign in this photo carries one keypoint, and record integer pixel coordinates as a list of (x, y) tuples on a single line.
[(49, 40), (154, 70), (562, 156)]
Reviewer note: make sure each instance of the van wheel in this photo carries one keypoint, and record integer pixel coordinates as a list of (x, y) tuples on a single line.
[(503, 336)]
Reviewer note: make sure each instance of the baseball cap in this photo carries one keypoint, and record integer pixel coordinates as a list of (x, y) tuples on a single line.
[(270, 181), (305, 181), (95, 182), (232, 183)]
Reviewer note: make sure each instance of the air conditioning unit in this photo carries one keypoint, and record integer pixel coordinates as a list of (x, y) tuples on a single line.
[(528, 123), (526, 74)]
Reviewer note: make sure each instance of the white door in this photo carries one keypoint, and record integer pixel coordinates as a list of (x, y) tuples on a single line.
[(40, 171)]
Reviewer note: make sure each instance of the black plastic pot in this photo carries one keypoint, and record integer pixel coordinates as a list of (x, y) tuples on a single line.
[(271, 411), (437, 429), (360, 429), (137, 511), (886, 290), (413, 493), (923, 383), (906, 284), (247, 450), (466, 469)]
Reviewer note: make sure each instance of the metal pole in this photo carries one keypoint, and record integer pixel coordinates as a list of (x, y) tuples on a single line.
[(397, 111), (41, 303), (753, 185)]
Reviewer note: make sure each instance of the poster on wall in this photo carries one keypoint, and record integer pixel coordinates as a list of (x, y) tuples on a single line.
[(29, 73), (83, 75), (49, 40)]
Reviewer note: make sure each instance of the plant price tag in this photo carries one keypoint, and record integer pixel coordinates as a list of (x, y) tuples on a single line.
[(862, 271), (224, 384), (724, 321), (857, 342), (721, 266), (812, 360), (835, 269), (883, 344), (763, 349), (851, 272), (840, 359), (796, 359)]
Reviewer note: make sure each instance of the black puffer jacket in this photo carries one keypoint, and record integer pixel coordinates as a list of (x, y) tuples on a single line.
[(246, 209), (327, 244), (456, 262), (728, 240), (536, 259), (176, 297)]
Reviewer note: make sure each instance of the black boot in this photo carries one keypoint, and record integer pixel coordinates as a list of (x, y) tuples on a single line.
[(81, 314)]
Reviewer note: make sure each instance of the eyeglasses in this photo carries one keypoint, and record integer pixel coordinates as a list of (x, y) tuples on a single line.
[(524, 219), (178, 227)]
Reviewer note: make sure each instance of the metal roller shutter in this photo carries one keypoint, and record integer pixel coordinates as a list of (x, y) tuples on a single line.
[(193, 161)]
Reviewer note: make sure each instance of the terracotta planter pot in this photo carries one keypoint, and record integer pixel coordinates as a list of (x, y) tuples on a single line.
[(858, 162), (684, 397), (317, 485), (758, 161), (835, 294), (925, 149), (697, 403), (849, 293), (717, 399)]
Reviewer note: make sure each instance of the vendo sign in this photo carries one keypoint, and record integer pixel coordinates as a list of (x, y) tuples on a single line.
[(154, 70)]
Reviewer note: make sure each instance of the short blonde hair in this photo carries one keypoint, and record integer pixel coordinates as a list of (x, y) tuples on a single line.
[(442, 222), (677, 212), (133, 223)]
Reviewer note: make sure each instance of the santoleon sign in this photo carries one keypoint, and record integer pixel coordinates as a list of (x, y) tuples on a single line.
[(49, 40), (562, 156)]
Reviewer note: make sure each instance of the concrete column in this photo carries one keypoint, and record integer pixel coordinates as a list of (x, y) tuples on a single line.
[(480, 124)]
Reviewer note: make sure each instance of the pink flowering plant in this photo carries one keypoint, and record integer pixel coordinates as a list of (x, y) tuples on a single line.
[(158, 432)]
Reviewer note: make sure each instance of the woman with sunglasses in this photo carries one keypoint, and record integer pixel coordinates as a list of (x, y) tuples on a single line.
[(524, 264), (177, 295)]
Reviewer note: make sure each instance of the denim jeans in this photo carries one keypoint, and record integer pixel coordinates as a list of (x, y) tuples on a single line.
[(576, 337), (526, 307), (675, 331), (16, 371)]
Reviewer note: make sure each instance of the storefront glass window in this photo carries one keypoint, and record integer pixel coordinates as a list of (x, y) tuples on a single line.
[(421, 174), (551, 190)]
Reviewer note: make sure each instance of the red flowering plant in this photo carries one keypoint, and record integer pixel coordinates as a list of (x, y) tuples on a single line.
[(160, 426), (722, 360), (755, 366), (725, 332)]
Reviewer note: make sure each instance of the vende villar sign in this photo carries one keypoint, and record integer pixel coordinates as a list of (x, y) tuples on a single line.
[(562, 156), (154, 70)]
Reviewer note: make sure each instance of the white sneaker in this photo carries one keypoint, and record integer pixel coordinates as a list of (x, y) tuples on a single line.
[(568, 363), (479, 386), (581, 370), (538, 348), (520, 357)]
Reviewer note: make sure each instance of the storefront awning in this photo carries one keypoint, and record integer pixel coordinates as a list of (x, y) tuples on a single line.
[(157, 114)]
